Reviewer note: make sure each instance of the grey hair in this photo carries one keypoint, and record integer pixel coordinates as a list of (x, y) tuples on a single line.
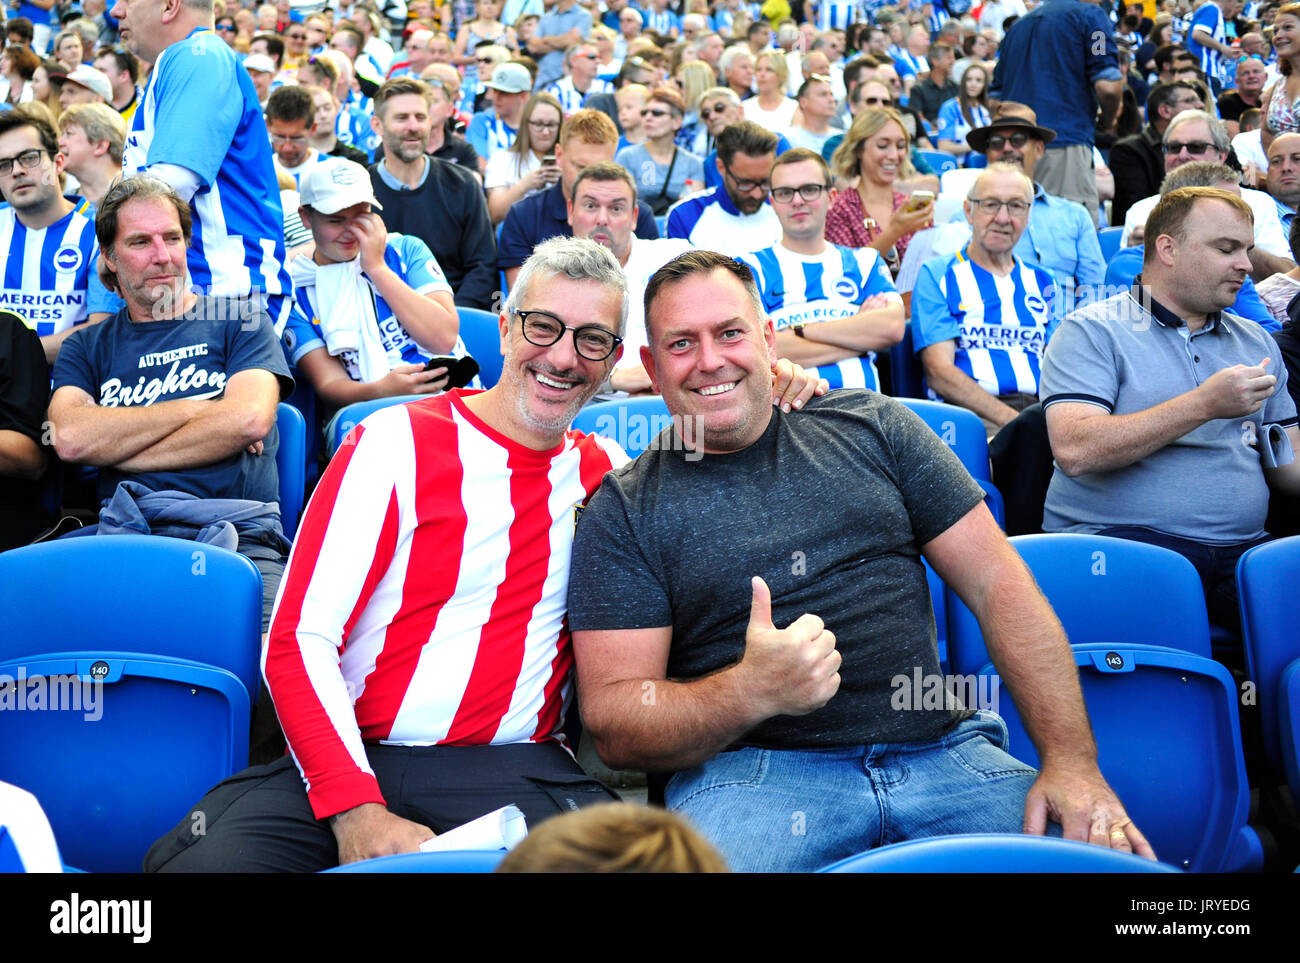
[(1218, 130), (726, 93), (730, 54), (1001, 168), (1199, 174), (576, 259)]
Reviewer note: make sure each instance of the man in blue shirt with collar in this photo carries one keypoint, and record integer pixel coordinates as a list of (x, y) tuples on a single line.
[(1061, 236), (588, 136), (1062, 61)]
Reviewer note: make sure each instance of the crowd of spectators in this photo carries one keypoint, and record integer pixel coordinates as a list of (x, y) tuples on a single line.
[(208, 205)]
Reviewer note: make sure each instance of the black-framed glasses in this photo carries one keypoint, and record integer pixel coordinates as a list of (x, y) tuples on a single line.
[(990, 206), (591, 340), (1197, 148), (28, 159), (809, 192), (1016, 140), (878, 101), (746, 186), (544, 124), (707, 112)]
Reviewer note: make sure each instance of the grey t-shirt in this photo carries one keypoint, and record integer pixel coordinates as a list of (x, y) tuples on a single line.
[(830, 507), (650, 175)]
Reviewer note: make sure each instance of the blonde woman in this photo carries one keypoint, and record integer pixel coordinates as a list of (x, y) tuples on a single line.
[(873, 214), (770, 107), (693, 79)]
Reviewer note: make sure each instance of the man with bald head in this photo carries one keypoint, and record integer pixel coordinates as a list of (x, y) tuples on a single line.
[(980, 351), (1284, 177)]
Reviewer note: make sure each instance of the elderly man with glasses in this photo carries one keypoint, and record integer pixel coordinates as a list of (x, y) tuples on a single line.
[(982, 316)]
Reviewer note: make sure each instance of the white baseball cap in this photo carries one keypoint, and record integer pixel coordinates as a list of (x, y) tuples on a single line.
[(335, 184), (96, 81), (510, 79), (259, 62)]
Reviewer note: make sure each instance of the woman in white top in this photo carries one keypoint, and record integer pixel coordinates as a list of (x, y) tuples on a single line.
[(18, 65), (519, 171), (485, 28), (771, 108)]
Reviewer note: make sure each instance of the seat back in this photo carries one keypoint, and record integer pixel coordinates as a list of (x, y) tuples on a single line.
[(1266, 577), (938, 160), (451, 861), (352, 415), (170, 598), (1105, 590), (1168, 742), (960, 429), (905, 368), (995, 853), (1289, 724), (1123, 266), (1109, 239), (482, 336), (291, 465), (126, 744), (632, 422)]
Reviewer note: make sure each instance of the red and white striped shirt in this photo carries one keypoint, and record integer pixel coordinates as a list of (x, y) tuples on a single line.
[(424, 601)]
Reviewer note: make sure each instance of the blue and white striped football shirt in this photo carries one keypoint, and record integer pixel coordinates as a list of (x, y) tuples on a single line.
[(1207, 19), (1001, 324), (49, 274), (798, 289), (836, 14), (200, 112)]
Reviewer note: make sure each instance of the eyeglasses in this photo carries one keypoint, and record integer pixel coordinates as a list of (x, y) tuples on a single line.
[(295, 36), (544, 124), (226, 27), (28, 159), (746, 186), (654, 113), (591, 340), (1016, 140), (878, 101), (809, 192), (485, 60), (586, 56), (991, 205), (707, 112), (1195, 147), (282, 139)]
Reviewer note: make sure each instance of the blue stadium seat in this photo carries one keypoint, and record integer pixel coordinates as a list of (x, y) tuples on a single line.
[(352, 415), (1109, 238), (908, 380), (661, 224), (995, 853), (1169, 744), (975, 161), (304, 399), (291, 465), (938, 604), (1289, 724), (1266, 577), (482, 336), (993, 499), (632, 422), (960, 429), (452, 861), (1103, 590), (938, 160), (1123, 267), (157, 640)]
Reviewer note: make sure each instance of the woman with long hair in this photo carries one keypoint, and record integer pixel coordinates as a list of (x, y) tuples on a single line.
[(872, 214), (959, 115), (18, 65), (1280, 106), (47, 83), (522, 169), (770, 107), (693, 79), (663, 171)]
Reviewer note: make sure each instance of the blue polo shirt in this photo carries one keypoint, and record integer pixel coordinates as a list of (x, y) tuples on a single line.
[(544, 216), (553, 23), (1050, 59)]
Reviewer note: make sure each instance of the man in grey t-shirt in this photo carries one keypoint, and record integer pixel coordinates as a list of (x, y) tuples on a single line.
[(1158, 409), (791, 750)]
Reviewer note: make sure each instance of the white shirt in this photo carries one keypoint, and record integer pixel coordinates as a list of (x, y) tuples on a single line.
[(505, 168), (643, 260), (1269, 235), (778, 121)]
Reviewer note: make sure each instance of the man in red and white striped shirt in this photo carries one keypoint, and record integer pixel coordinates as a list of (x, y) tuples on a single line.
[(419, 654)]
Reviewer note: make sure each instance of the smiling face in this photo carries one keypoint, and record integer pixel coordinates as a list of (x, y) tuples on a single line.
[(883, 153), (998, 233), (404, 125), (711, 357), (336, 242), (545, 388)]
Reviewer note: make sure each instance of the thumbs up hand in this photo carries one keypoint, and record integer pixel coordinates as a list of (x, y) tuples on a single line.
[(790, 671)]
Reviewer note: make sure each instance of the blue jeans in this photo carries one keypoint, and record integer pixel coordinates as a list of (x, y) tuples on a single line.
[(770, 810)]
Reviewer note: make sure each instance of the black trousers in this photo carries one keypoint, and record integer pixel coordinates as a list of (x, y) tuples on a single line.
[(259, 820)]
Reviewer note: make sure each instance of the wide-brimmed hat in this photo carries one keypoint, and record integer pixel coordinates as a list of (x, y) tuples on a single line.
[(978, 139)]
